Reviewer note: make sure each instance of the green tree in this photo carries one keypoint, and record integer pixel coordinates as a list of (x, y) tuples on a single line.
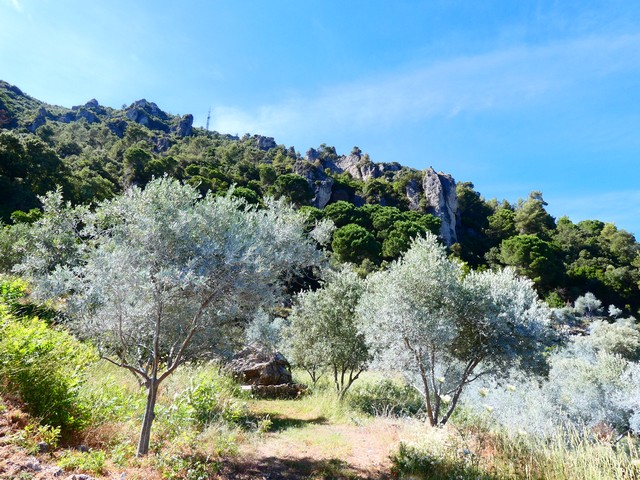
[(267, 174), (400, 237), (353, 243), (294, 188), (323, 332), (342, 213), (160, 273), (534, 258), (135, 161), (248, 195), (501, 225), (444, 330), (532, 218)]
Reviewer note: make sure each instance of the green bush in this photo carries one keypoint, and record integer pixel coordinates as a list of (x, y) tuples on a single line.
[(416, 463), (212, 398), (44, 368), (188, 467), (90, 462), (14, 301), (386, 398)]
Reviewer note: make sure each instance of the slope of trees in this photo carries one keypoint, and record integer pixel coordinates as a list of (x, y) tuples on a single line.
[(94, 153)]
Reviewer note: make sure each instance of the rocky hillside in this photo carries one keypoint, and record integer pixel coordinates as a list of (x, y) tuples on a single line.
[(429, 191), (93, 152)]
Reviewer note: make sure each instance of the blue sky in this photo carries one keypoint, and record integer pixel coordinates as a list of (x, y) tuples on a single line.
[(512, 95)]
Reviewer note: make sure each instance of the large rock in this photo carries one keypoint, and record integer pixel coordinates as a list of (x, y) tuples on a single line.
[(264, 143), (148, 114), (358, 167), (39, 121), (256, 365), (185, 126), (320, 182), (88, 115), (413, 194), (286, 390), (441, 200)]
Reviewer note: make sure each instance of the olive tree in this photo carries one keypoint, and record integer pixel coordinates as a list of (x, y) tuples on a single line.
[(444, 329), (161, 271), (323, 332)]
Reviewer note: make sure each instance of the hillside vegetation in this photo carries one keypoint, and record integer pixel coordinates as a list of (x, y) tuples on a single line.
[(94, 152), (441, 335)]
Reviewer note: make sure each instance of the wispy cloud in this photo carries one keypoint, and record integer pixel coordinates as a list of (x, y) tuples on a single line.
[(17, 4), (505, 79)]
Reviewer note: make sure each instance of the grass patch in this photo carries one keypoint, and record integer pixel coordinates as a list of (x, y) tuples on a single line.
[(88, 462), (475, 452)]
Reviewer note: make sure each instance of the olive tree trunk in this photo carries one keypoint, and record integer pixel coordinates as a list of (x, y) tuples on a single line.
[(149, 415)]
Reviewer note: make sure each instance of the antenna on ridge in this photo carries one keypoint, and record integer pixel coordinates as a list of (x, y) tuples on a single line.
[(208, 118)]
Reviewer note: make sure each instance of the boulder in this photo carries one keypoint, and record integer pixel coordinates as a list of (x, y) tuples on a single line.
[(93, 103), (319, 181), (256, 365)]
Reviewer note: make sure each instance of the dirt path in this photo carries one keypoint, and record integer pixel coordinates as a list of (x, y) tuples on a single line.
[(298, 446), (315, 449)]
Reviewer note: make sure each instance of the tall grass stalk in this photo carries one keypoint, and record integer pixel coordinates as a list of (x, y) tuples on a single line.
[(475, 452)]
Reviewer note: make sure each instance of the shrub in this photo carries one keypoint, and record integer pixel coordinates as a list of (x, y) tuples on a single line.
[(386, 398), (14, 301), (188, 467), (44, 368), (212, 398), (417, 463), (90, 462)]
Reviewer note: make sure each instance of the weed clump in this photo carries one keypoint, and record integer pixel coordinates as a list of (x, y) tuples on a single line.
[(44, 368), (385, 398)]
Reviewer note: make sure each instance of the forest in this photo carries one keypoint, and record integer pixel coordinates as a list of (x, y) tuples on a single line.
[(139, 254)]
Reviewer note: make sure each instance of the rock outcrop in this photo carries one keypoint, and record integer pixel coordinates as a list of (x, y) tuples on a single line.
[(266, 374), (413, 191), (320, 182), (148, 114), (441, 200), (264, 143), (257, 365), (40, 120), (358, 167), (185, 126), (362, 168)]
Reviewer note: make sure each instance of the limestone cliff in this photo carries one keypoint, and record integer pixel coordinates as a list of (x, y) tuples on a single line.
[(441, 200)]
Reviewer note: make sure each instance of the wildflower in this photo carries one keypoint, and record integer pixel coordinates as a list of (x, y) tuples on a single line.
[(488, 408), (511, 388), (483, 392), (445, 398), (440, 379)]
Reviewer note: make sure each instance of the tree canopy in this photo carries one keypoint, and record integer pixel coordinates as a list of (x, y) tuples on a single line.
[(157, 274), (324, 333), (444, 329)]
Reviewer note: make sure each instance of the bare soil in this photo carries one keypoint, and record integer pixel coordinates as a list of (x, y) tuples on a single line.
[(312, 448), (297, 447)]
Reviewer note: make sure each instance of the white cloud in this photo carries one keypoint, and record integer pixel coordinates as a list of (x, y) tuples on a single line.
[(506, 79), (16, 4)]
